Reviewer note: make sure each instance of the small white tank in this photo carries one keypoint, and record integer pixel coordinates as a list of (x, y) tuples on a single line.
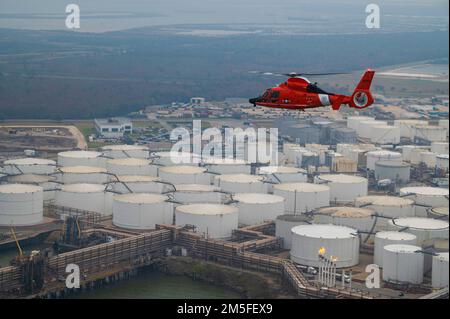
[(339, 242), (21, 205), (141, 211), (47, 182), (241, 183), (385, 238), (125, 151), (82, 174), (403, 264), (131, 166), (303, 197), (285, 223), (198, 193), (88, 197), (210, 220), (423, 228), (81, 158), (439, 277), (29, 166), (255, 208), (426, 197), (184, 175), (138, 184), (344, 188), (381, 155)]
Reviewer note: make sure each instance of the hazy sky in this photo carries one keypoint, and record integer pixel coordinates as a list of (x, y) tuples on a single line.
[(166, 12)]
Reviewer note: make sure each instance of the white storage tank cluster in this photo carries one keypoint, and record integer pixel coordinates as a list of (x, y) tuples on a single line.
[(82, 174), (141, 211), (284, 224), (47, 182), (198, 193), (440, 213), (21, 205), (185, 175), (255, 208), (431, 133), (387, 206), (381, 155), (361, 219), (29, 166), (426, 196), (385, 238), (241, 183), (442, 162), (131, 166), (81, 158), (408, 127), (174, 158), (138, 184), (424, 228), (344, 188), (339, 241), (226, 166), (397, 171), (303, 197), (125, 151), (88, 197), (403, 264), (211, 220), (439, 276)]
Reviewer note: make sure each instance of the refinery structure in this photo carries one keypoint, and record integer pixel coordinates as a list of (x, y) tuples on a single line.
[(345, 194)]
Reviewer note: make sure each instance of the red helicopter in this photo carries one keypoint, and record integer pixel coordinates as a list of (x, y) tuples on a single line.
[(298, 93)]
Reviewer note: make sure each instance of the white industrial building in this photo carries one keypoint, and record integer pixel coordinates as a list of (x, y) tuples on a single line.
[(113, 127)]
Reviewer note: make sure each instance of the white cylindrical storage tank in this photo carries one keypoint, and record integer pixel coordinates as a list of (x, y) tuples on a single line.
[(339, 241), (408, 127), (381, 155), (344, 188), (387, 206), (385, 134), (82, 174), (88, 197), (175, 158), (125, 151), (411, 153), (131, 166), (21, 205), (353, 121), (285, 223), (283, 174), (428, 158), (424, 228), (29, 166), (361, 219), (210, 220), (431, 133), (442, 162), (141, 211), (366, 128), (81, 158), (198, 193), (425, 196), (184, 175), (440, 213), (303, 197), (403, 264), (241, 183), (439, 276), (47, 182), (385, 238), (138, 184), (255, 208), (439, 147), (226, 166), (397, 171)]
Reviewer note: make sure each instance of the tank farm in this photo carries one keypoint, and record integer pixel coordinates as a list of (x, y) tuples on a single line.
[(123, 208)]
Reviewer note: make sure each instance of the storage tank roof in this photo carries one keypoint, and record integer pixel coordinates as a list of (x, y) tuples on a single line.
[(240, 178), (301, 187), (184, 170), (80, 154), (128, 161), (141, 198), (281, 170), (83, 188), (207, 209), (395, 235), (82, 169), (295, 218), (420, 223), (384, 201), (137, 178), (195, 188), (124, 147), (258, 198), (403, 249), (393, 164), (342, 178), (19, 189), (349, 212), (29, 161), (31, 178), (425, 190), (443, 211), (325, 231)]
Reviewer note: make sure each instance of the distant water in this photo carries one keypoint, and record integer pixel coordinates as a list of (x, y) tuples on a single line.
[(156, 285)]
